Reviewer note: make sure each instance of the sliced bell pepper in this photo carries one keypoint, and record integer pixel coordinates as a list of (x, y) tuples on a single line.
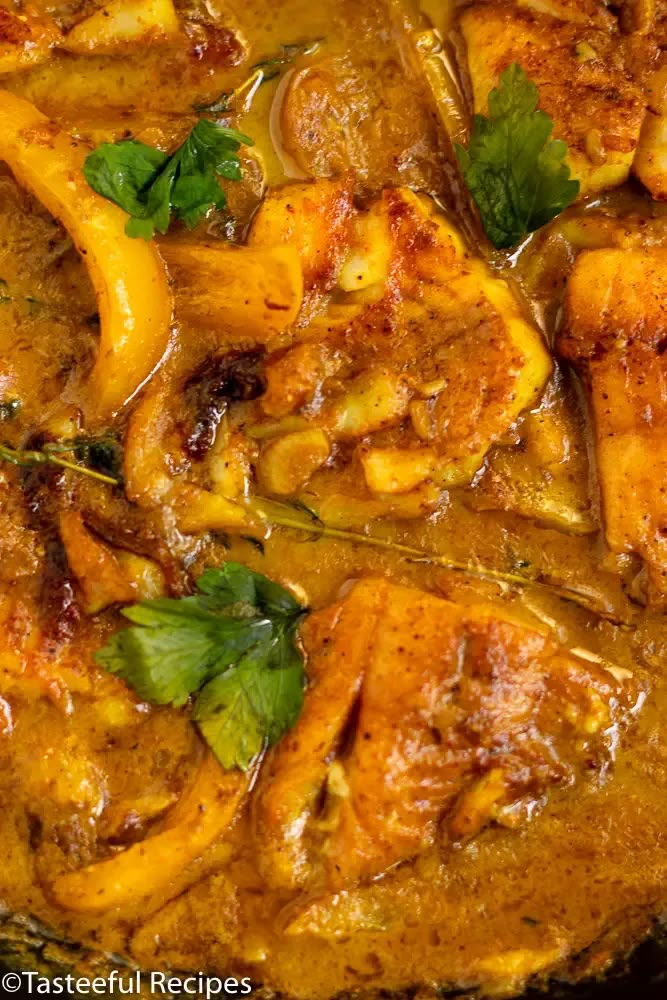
[(128, 275)]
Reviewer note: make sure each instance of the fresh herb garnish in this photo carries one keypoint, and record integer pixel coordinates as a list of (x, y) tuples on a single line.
[(233, 645), (286, 514), (52, 452), (102, 453), (513, 170), (149, 185)]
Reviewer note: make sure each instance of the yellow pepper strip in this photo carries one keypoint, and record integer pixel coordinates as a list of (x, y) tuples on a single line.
[(197, 820), (128, 275), (244, 296)]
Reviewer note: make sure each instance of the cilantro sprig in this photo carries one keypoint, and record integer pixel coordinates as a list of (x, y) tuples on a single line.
[(513, 170), (232, 645), (151, 185)]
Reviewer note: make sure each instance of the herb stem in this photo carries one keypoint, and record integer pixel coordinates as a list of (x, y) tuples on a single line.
[(261, 73), (226, 101), (319, 528), (26, 458), (272, 513)]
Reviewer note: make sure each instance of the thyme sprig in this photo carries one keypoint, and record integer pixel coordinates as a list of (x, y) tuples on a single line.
[(52, 453), (302, 519), (298, 517)]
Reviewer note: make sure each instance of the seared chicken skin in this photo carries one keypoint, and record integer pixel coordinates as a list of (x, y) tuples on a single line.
[(573, 53), (26, 38), (379, 340), (616, 334), (413, 316), (650, 164), (422, 714)]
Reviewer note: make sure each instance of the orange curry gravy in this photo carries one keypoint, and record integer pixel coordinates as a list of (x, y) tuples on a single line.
[(88, 771)]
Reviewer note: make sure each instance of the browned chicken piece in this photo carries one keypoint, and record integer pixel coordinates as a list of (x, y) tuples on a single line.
[(95, 566), (422, 715), (650, 163), (415, 316), (366, 110), (349, 114), (294, 778), (315, 219), (26, 38), (546, 476), (106, 576), (616, 334), (369, 320), (580, 70), (121, 25)]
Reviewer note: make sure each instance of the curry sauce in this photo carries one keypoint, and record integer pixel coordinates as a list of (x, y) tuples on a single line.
[(452, 456)]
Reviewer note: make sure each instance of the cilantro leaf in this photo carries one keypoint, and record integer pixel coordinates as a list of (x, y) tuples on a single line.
[(120, 171), (235, 584), (233, 644), (240, 711), (151, 185), (514, 171)]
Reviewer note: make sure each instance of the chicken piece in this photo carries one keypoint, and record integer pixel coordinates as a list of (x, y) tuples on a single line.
[(122, 25), (365, 114), (245, 296), (583, 82), (363, 107), (616, 334), (650, 163), (98, 571), (153, 443), (422, 332), (294, 778), (293, 376), (547, 477), (26, 38), (422, 714), (105, 575), (315, 220)]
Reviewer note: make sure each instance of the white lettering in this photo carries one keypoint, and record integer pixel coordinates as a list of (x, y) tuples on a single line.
[(158, 982)]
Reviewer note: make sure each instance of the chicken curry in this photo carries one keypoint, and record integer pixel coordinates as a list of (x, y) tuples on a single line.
[(333, 486)]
